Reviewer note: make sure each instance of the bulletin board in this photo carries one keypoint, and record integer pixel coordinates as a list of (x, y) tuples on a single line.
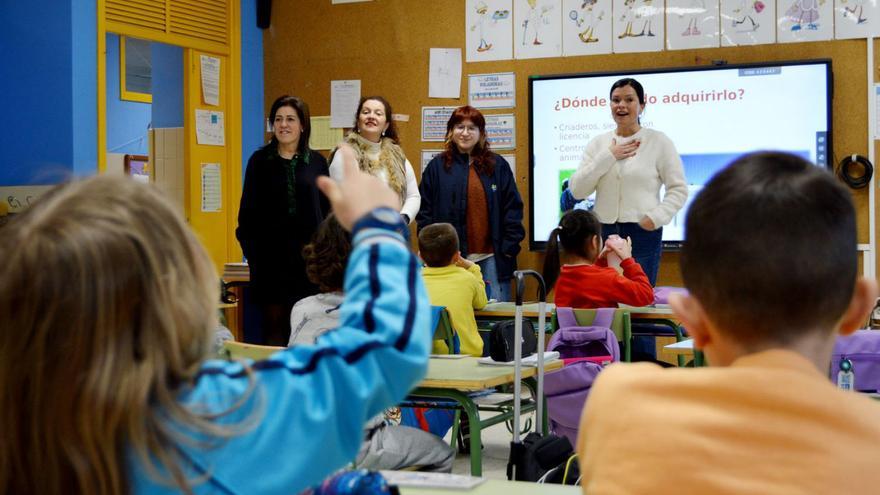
[(386, 43)]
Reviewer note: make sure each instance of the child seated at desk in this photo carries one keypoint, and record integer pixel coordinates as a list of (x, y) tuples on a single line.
[(770, 261), (454, 282), (576, 267), (107, 308)]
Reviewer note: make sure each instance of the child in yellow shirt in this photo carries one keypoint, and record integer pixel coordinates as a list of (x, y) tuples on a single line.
[(454, 282), (770, 262)]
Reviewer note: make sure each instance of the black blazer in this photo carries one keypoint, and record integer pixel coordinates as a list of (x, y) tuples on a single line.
[(271, 238)]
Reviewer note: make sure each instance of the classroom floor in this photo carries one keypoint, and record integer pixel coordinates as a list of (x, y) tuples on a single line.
[(496, 449)]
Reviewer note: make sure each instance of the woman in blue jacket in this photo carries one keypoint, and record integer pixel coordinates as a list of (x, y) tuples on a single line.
[(474, 189)]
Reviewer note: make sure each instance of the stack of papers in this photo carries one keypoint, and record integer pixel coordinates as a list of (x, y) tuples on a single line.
[(431, 480), (526, 361)]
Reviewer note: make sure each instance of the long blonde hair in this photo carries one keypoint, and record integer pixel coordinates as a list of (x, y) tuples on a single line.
[(107, 303)]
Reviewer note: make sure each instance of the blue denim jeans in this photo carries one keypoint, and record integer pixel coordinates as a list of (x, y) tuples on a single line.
[(495, 289), (647, 245)]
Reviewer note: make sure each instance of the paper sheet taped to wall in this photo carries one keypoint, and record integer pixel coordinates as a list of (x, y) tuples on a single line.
[(212, 194), (209, 127), (323, 136)]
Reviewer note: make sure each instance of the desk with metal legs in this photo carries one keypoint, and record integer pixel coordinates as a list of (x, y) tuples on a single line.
[(453, 379)]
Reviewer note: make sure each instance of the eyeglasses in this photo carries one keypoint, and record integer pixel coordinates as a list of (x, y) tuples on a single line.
[(470, 128)]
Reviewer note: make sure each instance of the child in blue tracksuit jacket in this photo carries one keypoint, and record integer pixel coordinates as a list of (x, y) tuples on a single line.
[(123, 401)]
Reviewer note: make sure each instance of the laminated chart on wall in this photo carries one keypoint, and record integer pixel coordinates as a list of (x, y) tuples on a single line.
[(856, 19), (344, 97), (212, 193), (209, 127), (537, 28), (804, 20), (488, 30), (427, 156), (434, 120), (323, 137), (637, 26), (492, 90), (692, 24), (748, 22), (501, 131), (586, 27)]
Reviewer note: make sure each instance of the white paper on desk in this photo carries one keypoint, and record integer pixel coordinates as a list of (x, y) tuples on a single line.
[(530, 361), (210, 79), (344, 96), (435, 480), (448, 356), (444, 76), (209, 127)]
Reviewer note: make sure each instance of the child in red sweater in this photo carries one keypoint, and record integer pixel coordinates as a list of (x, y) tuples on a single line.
[(578, 266)]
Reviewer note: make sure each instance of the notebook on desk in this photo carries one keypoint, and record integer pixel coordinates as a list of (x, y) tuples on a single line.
[(431, 480)]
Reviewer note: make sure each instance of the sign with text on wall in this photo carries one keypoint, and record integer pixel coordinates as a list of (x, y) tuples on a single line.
[(492, 90), (501, 131), (212, 197), (434, 121)]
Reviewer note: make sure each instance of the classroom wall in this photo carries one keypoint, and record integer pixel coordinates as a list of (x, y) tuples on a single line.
[(84, 60), (385, 44), (127, 121), (36, 92)]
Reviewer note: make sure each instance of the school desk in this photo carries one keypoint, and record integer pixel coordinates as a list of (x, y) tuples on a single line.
[(453, 379), (686, 348), (500, 487)]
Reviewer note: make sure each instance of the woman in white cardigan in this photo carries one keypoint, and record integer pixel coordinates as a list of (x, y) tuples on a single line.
[(626, 168), (375, 142)]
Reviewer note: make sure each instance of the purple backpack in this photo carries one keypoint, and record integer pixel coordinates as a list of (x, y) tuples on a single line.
[(862, 348), (566, 390)]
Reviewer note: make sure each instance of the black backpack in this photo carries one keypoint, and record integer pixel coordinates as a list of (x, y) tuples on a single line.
[(501, 340)]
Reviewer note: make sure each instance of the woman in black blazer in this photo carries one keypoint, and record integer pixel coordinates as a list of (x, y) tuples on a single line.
[(280, 210)]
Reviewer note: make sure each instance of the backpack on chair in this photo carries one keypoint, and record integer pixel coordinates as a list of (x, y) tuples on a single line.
[(585, 350)]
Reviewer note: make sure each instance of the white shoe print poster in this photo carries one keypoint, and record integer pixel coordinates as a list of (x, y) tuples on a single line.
[(748, 22), (586, 27), (537, 28), (637, 26), (692, 24), (804, 20), (856, 19), (488, 30)]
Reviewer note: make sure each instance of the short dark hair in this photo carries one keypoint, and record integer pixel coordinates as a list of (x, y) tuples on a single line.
[(438, 244), (327, 255), (628, 81), (391, 132), (770, 249), (302, 112)]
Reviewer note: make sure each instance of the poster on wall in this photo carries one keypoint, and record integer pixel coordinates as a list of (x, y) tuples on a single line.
[(637, 26), (344, 97), (492, 90), (444, 73), (856, 19), (212, 194), (488, 30), (434, 121), (804, 20), (209, 127), (586, 27), (501, 131), (748, 22), (210, 72), (692, 24), (427, 156), (537, 26)]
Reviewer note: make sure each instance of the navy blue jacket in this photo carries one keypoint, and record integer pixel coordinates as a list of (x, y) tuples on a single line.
[(444, 199)]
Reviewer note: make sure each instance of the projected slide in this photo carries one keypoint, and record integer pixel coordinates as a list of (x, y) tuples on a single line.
[(711, 115)]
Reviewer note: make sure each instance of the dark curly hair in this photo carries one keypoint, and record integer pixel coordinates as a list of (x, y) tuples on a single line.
[(327, 255)]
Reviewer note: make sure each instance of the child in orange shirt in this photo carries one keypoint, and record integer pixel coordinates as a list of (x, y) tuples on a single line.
[(577, 268)]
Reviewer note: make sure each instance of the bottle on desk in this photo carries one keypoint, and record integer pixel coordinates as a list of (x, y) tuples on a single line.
[(846, 378)]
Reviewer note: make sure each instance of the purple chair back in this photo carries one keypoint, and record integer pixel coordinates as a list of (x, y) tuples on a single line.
[(567, 389), (862, 348), (661, 294)]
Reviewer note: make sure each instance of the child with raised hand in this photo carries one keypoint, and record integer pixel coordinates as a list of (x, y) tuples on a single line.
[(107, 309), (771, 265), (576, 266)]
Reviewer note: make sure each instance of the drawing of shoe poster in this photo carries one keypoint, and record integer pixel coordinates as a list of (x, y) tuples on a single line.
[(488, 30), (692, 24), (537, 28), (856, 19), (586, 27), (804, 20), (748, 22), (637, 26)]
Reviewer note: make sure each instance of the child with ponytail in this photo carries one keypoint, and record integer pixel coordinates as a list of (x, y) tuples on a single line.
[(576, 266)]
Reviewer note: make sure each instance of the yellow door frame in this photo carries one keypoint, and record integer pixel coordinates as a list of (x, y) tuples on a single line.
[(217, 230)]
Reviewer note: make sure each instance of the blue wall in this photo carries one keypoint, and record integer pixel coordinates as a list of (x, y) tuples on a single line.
[(253, 119), (127, 121), (85, 86), (167, 85), (35, 92)]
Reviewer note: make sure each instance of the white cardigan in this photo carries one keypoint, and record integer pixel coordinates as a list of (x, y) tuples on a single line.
[(413, 200), (629, 189)]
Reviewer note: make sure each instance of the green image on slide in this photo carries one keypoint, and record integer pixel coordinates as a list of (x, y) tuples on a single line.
[(566, 200)]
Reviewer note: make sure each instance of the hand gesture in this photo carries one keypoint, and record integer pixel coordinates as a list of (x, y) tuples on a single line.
[(621, 247), (647, 224), (358, 193), (625, 150)]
